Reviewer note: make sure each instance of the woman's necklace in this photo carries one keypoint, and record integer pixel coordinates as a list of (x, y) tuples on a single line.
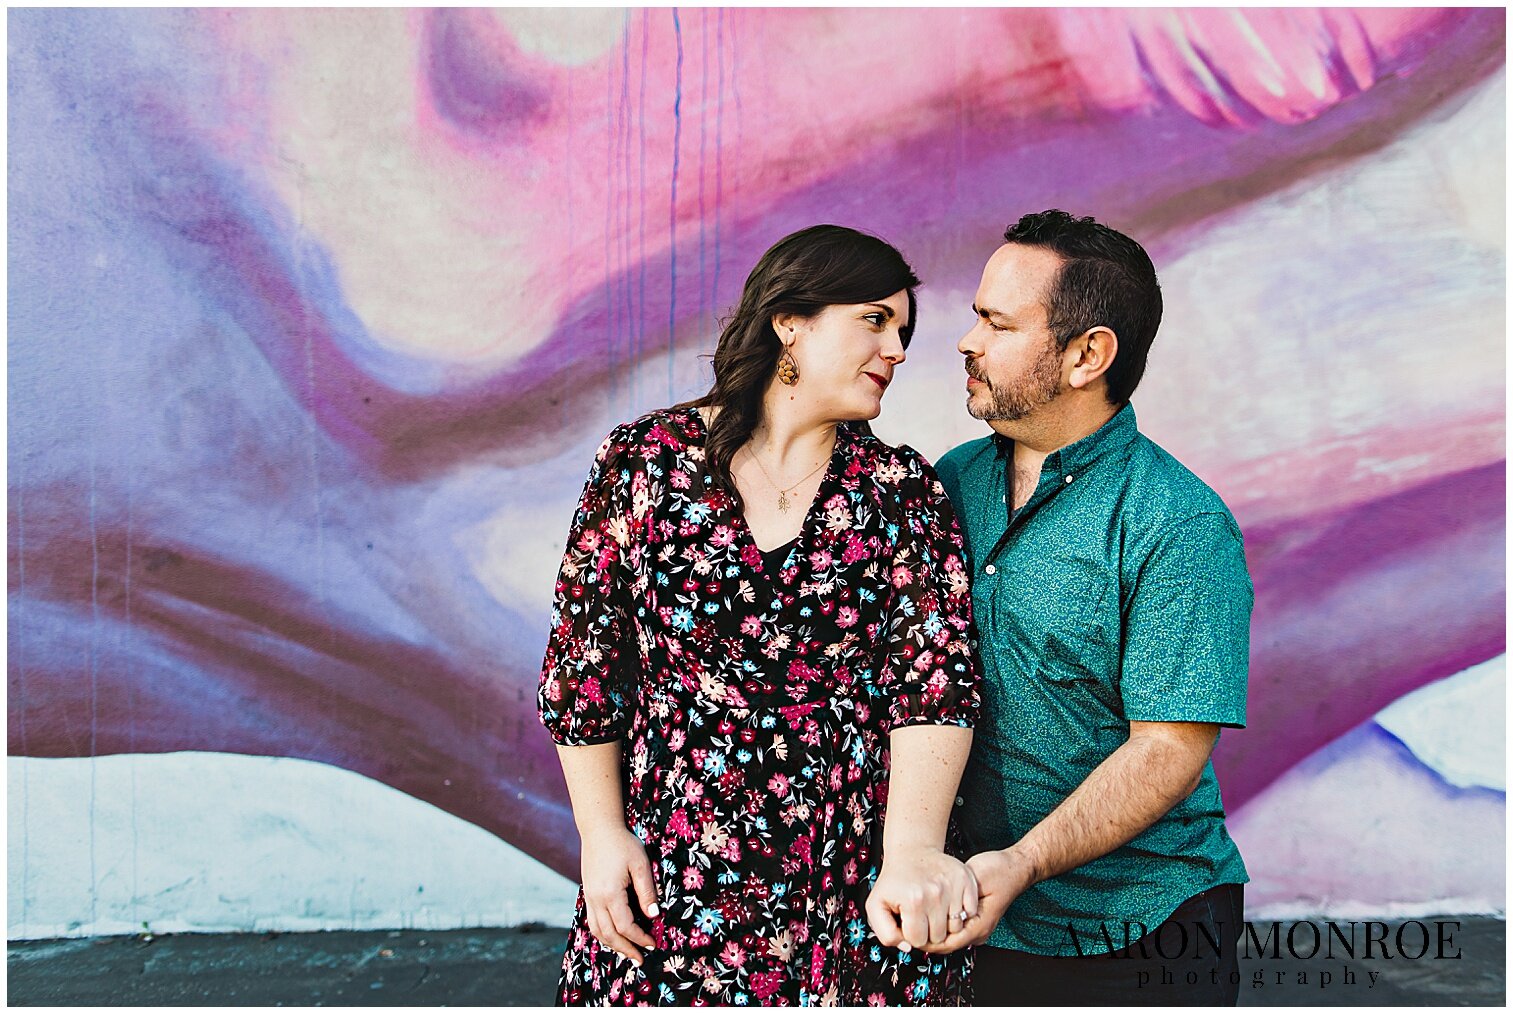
[(783, 502)]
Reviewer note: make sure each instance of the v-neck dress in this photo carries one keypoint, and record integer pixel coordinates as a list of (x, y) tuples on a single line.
[(755, 708)]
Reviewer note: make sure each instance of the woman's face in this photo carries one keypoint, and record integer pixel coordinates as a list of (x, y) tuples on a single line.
[(846, 355)]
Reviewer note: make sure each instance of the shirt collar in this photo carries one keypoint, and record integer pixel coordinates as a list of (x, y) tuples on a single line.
[(1113, 436)]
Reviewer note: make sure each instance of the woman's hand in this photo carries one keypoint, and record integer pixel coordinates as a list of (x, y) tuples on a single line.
[(922, 898), (614, 862)]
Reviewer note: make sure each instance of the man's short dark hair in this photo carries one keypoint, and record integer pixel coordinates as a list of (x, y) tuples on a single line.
[(1106, 279)]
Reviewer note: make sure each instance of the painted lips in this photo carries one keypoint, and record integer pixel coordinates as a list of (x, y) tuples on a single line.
[(879, 380)]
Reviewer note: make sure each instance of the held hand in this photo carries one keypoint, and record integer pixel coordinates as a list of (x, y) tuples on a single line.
[(919, 899), (1001, 877), (614, 862)]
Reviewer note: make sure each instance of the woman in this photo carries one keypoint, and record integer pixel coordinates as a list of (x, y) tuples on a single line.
[(758, 603)]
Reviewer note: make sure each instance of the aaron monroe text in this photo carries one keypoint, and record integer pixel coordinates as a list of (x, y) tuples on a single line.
[(1302, 940)]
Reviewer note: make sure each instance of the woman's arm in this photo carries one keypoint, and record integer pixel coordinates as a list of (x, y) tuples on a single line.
[(921, 892), (613, 858), (586, 694), (932, 687)]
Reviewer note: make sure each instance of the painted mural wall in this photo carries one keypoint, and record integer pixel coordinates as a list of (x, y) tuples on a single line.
[(316, 318)]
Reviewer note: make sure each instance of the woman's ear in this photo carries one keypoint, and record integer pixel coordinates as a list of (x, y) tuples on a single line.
[(785, 326)]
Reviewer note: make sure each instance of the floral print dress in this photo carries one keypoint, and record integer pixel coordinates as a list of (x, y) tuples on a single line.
[(754, 708)]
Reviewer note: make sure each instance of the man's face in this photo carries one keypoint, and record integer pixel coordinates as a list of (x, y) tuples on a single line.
[(1013, 365)]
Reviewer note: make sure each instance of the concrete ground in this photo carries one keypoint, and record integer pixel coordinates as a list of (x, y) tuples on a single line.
[(518, 967)]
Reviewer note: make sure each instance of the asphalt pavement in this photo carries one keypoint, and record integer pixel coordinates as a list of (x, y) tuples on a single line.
[(518, 967)]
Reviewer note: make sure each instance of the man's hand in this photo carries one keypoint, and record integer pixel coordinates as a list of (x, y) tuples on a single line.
[(1001, 877), (919, 899), (613, 862)]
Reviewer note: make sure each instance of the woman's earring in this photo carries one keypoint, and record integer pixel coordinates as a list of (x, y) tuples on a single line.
[(788, 368)]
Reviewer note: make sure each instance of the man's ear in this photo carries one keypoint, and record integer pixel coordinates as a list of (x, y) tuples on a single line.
[(1091, 354)]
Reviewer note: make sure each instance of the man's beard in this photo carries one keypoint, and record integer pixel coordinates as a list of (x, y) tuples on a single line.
[(1039, 386)]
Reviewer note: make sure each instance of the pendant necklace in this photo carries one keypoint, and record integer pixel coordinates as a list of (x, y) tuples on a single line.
[(783, 501)]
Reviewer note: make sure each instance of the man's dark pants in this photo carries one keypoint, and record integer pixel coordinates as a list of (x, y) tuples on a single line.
[(1174, 965)]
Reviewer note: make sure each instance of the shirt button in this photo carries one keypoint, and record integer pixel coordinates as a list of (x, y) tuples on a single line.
[(990, 569), (960, 801), (1069, 478)]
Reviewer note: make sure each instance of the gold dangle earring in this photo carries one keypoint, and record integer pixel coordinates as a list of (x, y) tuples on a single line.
[(788, 367)]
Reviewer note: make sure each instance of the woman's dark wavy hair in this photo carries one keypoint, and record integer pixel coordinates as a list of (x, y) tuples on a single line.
[(824, 265)]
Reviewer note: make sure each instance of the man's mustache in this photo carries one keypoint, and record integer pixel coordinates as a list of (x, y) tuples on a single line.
[(974, 372)]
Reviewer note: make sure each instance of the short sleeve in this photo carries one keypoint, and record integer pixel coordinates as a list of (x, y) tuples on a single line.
[(1187, 627), (929, 675), (587, 678)]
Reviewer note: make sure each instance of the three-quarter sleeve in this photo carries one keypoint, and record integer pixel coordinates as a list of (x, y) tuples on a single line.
[(587, 690), (929, 675)]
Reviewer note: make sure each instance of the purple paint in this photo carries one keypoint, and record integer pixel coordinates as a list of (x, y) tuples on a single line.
[(471, 80), (268, 563)]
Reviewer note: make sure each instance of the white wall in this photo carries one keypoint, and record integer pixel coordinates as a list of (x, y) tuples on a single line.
[(223, 842)]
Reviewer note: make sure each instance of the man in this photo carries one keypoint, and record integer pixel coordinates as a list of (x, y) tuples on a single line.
[(1113, 608)]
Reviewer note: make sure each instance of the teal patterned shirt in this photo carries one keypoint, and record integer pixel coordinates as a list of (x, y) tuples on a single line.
[(1118, 593)]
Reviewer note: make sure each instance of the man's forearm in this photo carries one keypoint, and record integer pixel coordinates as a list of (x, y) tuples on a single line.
[(1133, 788)]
